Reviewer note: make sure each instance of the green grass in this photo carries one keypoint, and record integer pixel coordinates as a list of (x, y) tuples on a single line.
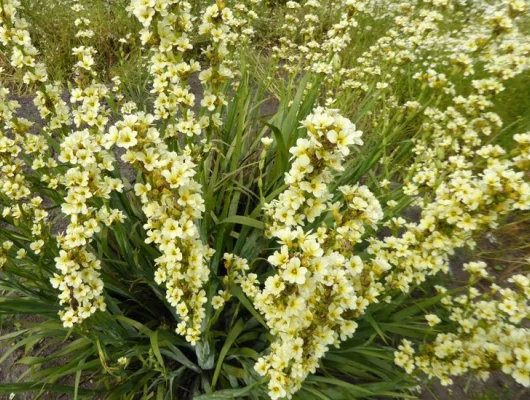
[(53, 31)]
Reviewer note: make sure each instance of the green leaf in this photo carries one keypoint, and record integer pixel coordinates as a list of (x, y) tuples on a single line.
[(282, 153), (244, 352), (177, 355), (230, 339), (205, 354), (140, 327), (160, 391), (415, 331), (13, 334), (376, 326), (156, 350), (314, 392), (242, 220), (229, 393), (27, 306), (354, 390), (351, 367), (235, 372), (418, 307), (8, 388), (238, 293), (78, 380)]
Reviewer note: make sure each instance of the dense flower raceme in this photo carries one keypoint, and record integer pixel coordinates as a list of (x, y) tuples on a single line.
[(166, 29), (88, 189), (310, 302), (172, 202), (15, 136), (13, 184), (183, 267)]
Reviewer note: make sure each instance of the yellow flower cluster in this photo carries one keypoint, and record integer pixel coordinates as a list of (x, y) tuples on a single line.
[(412, 28), (236, 268), (15, 139), (244, 17), (306, 46), (88, 189), (472, 184), (166, 29), (476, 192), (329, 138), (488, 333), (15, 36), (216, 26), (171, 198), (15, 39), (13, 185), (85, 183), (310, 302), (172, 202)]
